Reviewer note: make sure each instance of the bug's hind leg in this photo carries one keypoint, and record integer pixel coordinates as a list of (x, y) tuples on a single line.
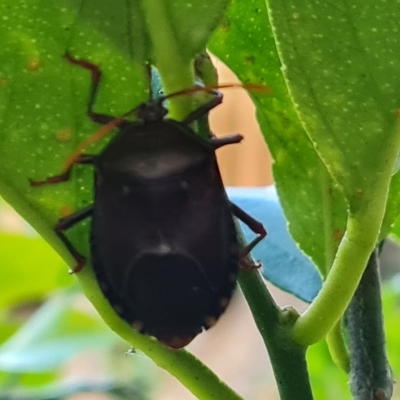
[(256, 226)]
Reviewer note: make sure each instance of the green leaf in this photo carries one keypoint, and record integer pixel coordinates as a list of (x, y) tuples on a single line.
[(43, 98), (313, 205), (341, 65)]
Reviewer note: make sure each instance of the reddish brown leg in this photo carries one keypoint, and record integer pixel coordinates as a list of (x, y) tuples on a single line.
[(64, 176), (96, 79)]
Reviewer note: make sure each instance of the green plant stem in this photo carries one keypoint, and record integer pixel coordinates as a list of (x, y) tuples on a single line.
[(287, 357), (342, 281), (176, 71), (190, 371), (370, 373), (205, 69), (337, 347), (325, 182)]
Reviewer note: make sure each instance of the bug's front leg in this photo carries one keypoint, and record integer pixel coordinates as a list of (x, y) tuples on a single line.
[(204, 108)]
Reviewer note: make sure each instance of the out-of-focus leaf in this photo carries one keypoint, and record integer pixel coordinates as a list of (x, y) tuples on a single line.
[(391, 311), (28, 380), (29, 269), (396, 230), (328, 381), (55, 333)]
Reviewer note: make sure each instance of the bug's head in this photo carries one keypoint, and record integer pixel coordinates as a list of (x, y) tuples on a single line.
[(152, 111)]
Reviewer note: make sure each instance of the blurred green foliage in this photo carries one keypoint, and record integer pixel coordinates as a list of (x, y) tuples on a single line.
[(45, 321), (331, 383)]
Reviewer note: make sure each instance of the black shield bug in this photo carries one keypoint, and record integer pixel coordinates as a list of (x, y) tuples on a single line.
[(163, 241)]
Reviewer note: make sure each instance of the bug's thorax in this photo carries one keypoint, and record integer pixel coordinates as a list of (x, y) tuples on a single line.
[(153, 150)]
